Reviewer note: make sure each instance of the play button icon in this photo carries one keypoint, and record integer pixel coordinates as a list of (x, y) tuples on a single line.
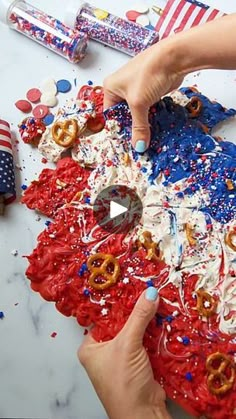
[(118, 209)]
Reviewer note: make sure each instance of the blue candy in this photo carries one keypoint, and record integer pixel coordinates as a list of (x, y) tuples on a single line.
[(63, 86)]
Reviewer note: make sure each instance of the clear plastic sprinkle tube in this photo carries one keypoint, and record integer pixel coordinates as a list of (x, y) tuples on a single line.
[(45, 29), (109, 29)]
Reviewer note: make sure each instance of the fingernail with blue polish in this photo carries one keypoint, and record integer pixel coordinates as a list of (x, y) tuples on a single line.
[(151, 294), (140, 146)]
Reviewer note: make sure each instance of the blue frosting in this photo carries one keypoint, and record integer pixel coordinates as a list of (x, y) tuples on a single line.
[(181, 149)]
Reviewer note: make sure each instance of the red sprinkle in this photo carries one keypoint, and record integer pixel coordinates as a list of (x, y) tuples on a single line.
[(24, 106), (54, 334), (40, 111), (33, 95), (44, 160)]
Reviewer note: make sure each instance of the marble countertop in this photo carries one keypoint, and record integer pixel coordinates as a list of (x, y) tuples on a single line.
[(40, 376)]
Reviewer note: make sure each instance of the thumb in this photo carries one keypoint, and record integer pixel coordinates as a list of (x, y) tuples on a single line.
[(140, 128), (143, 312)]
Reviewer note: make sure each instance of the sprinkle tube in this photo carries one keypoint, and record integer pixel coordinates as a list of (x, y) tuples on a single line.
[(109, 29), (46, 30)]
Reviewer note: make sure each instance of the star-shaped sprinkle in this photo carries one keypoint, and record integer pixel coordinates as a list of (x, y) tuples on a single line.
[(104, 311), (125, 280)]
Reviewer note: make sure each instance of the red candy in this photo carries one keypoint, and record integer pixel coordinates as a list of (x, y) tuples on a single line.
[(24, 106), (84, 92), (132, 15), (40, 111), (31, 130), (96, 124), (33, 95)]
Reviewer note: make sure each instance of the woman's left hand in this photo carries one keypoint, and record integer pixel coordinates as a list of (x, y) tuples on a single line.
[(120, 369)]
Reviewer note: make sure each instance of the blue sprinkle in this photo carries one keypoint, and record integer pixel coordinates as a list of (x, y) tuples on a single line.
[(150, 283), (83, 269), (169, 319), (1, 315), (159, 320), (186, 340), (180, 194), (86, 292), (24, 187), (90, 82), (47, 223), (165, 183), (144, 169), (48, 120), (188, 376), (87, 200), (63, 86)]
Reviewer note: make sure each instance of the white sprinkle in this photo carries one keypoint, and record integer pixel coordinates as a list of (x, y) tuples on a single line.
[(126, 280), (168, 328), (104, 311), (14, 252), (52, 236), (207, 304), (130, 270), (72, 229), (175, 313), (102, 302), (179, 339)]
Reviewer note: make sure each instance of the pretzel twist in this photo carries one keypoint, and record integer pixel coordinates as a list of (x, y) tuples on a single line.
[(189, 233), (153, 251), (194, 107), (101, 271), (229, 239), (202, 297), (65, 132), (218, 382)]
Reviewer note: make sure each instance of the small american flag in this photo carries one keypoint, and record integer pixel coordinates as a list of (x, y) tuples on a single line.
[(7, 178), (179, 15)]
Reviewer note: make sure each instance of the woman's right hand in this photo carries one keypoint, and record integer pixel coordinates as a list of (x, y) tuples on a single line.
[(142, 82)]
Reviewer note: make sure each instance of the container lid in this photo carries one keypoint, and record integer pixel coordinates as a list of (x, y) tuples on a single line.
[(72, 10), (4, 8)]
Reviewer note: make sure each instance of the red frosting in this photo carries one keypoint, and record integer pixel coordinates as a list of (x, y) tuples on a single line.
[(178, 343), (55, 188)]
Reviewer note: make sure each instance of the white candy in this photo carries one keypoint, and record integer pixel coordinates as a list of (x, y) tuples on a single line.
[(49, 99), (48, 86), (143, 20), (140, 8)]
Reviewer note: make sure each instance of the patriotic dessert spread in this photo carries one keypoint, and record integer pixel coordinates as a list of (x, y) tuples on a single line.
[(184, 244)]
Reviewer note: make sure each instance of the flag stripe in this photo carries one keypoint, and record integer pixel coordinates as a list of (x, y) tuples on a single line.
[(5, 123), (187, 15), (166, 17), (213, 14), (5, 144), (184, 14), (5, 133), (165, 12), (174, 17), (199, 17)]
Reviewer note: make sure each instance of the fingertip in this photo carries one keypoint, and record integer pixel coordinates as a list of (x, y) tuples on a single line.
[(140, 146), (151, 294)]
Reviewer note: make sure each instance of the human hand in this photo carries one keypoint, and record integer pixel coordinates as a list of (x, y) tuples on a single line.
[(142, 82), (120, 370)]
